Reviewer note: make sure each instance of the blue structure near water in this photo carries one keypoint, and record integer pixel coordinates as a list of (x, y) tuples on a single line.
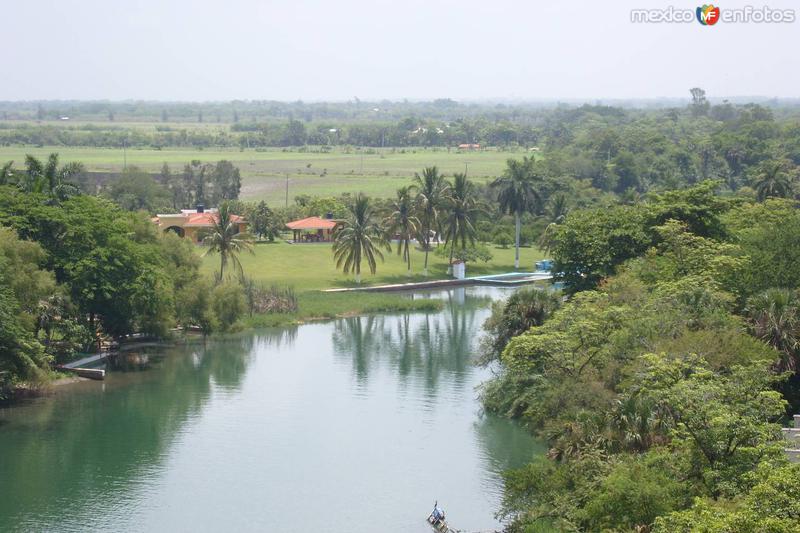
[(545, 265)]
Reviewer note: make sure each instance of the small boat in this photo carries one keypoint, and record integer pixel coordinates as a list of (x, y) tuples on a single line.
[(437, 521)]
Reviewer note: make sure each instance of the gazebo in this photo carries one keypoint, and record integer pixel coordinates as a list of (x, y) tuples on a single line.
[(312, 229)]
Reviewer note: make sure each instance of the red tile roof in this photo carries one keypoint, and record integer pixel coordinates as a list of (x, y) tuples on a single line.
[(312, 223), (207, 219)]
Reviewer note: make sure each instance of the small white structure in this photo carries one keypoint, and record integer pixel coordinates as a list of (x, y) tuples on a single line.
[(459, 269)]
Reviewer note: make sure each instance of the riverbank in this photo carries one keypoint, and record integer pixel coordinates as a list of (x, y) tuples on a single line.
[(319, 271), (313, 306), (24, 391), (316, 305), (309, 270)]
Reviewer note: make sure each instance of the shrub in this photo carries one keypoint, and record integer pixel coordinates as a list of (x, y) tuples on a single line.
[(478, 252), (503, 238), (229, 304), (273, 299), (194, 308)]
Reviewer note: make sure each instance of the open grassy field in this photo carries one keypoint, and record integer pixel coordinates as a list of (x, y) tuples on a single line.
[(376, 172), (309, 267)]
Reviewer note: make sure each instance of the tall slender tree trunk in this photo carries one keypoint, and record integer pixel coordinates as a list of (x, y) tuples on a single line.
[(408, 255), (452, 251), (426, 243), (516, 240)]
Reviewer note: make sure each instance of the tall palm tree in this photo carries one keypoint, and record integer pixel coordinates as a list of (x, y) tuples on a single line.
[(403, 222), (773, 181), (461, 210), (518, 193), (359, 237), (775, 317), (48, 178), (225, 239), (432, 190)]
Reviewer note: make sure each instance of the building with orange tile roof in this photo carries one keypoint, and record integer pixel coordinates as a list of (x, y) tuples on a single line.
[(193, 223)]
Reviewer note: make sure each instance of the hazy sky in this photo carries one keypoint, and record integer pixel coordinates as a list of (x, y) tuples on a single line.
[(338, 49)]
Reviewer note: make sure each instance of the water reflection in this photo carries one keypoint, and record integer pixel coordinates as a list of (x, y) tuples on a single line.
[(228, 435), (503, 446), (422, 346), (284, 337), (90, 444)]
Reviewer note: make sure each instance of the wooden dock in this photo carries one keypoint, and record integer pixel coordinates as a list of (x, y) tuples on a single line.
[(96, 358), (80, 367)]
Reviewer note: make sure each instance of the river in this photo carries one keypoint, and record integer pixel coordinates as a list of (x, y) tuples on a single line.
[(351, 425)]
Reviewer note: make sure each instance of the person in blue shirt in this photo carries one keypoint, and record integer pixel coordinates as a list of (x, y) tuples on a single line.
[(438, 513)]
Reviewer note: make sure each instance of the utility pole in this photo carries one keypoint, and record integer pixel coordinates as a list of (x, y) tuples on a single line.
[(466, 167), (124, 154), (362, 160), (287, 189)]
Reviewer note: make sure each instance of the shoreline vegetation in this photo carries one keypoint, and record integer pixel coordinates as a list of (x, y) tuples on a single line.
[(315, 307), (662, 381)]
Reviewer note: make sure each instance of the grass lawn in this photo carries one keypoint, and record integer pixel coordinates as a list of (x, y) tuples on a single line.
[(308, 268), (376, 172)]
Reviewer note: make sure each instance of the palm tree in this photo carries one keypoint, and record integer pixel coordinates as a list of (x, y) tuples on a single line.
[(557, 212), (517, 193), (432, 189), (524, 309), (773, 181), (558, 208), (225, 239), (775, 317), (359, 237), (48, 178), (462, 208), (547, 240), (6, 173), (403, 222)]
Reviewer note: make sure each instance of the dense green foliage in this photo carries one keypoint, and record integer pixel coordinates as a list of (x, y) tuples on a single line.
[(659, 383), (80, 266), (522, 310)]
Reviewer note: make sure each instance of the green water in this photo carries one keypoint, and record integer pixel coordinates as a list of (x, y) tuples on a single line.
[(352, 425)]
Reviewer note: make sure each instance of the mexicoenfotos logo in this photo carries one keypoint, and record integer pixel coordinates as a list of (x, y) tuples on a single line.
[(707, 15)]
